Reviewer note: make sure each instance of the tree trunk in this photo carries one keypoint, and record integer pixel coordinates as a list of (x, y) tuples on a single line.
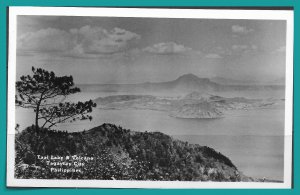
[(37, 117)]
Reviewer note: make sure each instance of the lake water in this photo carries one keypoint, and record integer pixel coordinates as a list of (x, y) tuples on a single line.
[(252, 139)]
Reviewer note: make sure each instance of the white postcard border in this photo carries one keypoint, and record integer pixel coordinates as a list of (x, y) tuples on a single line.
[(286, 15)]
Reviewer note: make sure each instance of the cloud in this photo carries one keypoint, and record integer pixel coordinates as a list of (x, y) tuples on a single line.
[(254, 47), (222, 51), (241, 29), (213, 56), (80, 42), (280, 49), (243, 48), (167, 48), (239, 47), (45, 40), (96, 40)]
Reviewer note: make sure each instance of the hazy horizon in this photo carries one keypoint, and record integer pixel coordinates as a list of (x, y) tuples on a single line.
[(279, 81), (105, 50)]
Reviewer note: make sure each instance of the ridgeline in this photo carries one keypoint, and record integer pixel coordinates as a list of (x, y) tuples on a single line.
[(120, 154)]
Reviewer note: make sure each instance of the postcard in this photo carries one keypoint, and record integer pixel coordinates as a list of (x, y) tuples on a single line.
[(150, 98)]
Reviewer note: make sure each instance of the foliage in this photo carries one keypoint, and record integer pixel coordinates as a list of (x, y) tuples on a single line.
[(121, 154), (44, 92)]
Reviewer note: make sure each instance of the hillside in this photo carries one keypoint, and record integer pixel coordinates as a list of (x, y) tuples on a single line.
[(111, 152)]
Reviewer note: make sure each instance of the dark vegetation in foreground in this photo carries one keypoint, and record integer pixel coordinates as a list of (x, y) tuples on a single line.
[(121, 154)]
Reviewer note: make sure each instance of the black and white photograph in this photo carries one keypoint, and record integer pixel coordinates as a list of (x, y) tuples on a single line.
[(149, 98)]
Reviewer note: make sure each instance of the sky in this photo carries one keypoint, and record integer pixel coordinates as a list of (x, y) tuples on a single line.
[(135, 50)]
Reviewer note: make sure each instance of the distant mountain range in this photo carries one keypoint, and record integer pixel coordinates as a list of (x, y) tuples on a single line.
[(185, 83), (229, 81)]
